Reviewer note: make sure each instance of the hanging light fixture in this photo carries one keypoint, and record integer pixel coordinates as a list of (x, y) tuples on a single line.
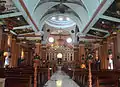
[(51, 39), (60, 18), (59, 55), (69, 40)]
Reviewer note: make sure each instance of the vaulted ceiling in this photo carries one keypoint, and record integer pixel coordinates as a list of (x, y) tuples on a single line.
[(91, 18)]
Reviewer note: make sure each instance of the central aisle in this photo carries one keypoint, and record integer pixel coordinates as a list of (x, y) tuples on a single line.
[(60, 79)]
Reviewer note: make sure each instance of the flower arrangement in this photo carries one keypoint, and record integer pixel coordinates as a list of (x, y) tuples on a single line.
[(89, 57), (37, 57)]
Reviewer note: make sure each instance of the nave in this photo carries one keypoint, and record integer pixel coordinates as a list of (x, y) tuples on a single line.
[(36, 36), (60, 79)]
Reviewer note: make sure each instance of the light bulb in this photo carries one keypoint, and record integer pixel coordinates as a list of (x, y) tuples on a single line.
[(69, 40), (51, 39), (59, 55)]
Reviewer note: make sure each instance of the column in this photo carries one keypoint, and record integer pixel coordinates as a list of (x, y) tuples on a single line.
[(103, 55), (3, 47), (76, 52), (81, 52), (114, 51), (4, 44), (89, 74), (8, 51), (1, 50), (17, 53), (76, 55), (13, 53), (37, 49), (0, 37), (43, 52), (118, 42), (117, 51), (30, 56), (97, 82)]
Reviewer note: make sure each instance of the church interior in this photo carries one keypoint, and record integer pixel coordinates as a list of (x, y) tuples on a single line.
[(59, 43)]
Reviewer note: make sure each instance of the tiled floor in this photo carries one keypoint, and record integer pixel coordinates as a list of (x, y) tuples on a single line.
[(60, 79)]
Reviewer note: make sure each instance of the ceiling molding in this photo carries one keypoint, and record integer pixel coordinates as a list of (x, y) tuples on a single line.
[(85, 39), (107, 35), (74, 18), (22, 27), (26, 34), (94, 36), (13, 32), (80, 11), (100, 10), (28, 14), (99, 30), (11, 15), (39, 2), (110, 18)]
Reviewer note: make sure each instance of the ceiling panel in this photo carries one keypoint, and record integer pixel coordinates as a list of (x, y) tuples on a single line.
[(15, 21), (114, 9), (97, 33), (23, 31), (107, 25), (7, 6), (29, 39)]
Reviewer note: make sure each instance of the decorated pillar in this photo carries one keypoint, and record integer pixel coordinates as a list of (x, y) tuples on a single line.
[(36, 64), (89, 74), (97, 82), (89, 60)]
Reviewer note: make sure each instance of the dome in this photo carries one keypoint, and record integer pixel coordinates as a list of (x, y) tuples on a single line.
[(60, 21)]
